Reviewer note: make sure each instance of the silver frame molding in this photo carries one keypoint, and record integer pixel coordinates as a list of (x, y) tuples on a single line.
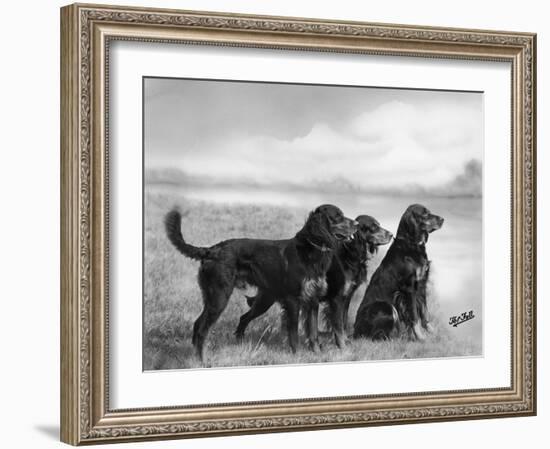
[(86, 31)]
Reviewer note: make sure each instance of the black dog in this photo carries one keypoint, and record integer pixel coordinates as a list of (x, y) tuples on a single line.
[(348, 270), (290, 271), (396, 295)]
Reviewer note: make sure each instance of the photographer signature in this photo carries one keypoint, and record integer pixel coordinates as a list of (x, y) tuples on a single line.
[(462, 318)]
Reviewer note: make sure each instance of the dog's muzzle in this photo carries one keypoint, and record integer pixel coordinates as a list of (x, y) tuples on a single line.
[(435, 222), (346, 229), (383, 237)]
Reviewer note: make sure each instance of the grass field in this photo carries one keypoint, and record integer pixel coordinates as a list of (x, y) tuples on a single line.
[(172, 299)]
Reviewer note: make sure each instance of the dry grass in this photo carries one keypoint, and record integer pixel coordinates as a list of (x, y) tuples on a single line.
[(172, 299)]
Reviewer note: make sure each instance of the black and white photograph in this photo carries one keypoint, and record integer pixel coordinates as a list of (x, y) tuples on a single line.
[(304, 223)]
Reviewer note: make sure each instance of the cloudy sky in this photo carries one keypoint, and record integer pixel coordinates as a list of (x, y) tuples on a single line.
[(280, 133)]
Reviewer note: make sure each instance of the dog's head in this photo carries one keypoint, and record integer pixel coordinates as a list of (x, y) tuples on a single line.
[(327, 225), (416, 223), (370, 233)]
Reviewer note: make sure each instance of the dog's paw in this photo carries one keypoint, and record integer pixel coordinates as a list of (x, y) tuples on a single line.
[(239, 336), (341, 341), (418, 332), (315, 346), (430, 328)]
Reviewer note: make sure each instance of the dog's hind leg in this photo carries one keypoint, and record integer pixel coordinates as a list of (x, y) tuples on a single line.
[(206, 320), (216, 291), (200, 329), (261, 304), (383, 319)]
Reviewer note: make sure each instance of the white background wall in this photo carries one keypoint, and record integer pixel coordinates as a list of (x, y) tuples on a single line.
[(29, 223)]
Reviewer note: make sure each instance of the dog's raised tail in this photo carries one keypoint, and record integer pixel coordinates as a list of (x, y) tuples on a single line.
[(172, 224)]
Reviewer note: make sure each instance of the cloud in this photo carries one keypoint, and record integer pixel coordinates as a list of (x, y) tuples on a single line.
[(375, 139), (389, 119), (391, 160)]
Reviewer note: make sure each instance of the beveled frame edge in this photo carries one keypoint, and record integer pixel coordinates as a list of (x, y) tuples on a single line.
[(85, 30)]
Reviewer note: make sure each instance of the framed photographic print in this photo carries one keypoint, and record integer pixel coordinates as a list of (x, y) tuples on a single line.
[(280, 224)]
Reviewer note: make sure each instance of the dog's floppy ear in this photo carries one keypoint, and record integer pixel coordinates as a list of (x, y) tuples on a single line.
[(317, 229), (316, 219), (322, 216), (409, 228)]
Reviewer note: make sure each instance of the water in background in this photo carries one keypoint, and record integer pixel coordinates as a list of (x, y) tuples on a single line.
[(456, 250)]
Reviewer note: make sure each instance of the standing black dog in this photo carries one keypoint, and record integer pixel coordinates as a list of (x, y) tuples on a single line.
[(396, 295), (290, 271), (348, 270)]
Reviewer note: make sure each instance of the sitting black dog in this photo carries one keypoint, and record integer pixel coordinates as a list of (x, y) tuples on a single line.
[(291, 271), (396, 296), (348, 270)]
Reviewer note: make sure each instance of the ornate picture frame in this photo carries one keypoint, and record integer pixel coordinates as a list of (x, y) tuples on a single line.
[(86, 34)]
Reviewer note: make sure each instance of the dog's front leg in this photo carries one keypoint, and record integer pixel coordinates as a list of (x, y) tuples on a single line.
[(336, 309), (312, 325), (292, 312), (346, 303)]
